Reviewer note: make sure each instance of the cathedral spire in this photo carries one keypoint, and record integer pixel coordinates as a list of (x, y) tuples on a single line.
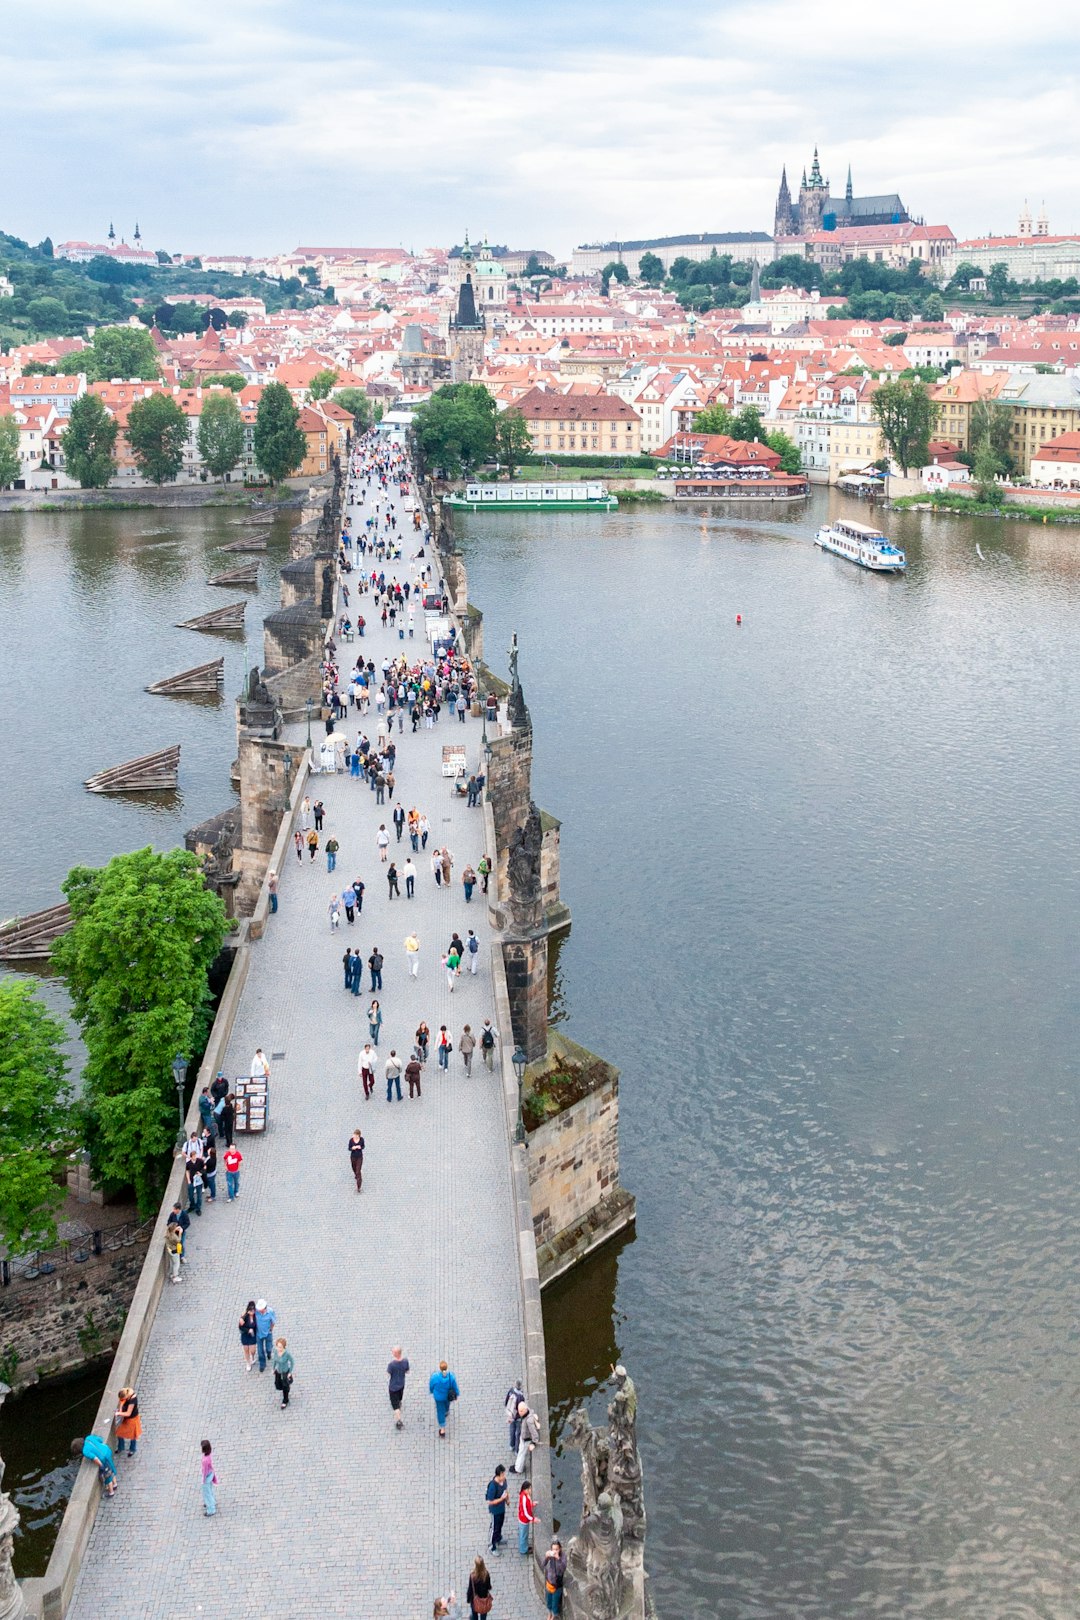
[(112, 233), (138, 233), (848, 191)]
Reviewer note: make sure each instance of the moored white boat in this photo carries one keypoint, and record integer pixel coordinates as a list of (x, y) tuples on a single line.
[(862, 545)]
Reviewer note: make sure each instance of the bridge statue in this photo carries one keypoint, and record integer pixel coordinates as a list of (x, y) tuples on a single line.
[(605, 1577)]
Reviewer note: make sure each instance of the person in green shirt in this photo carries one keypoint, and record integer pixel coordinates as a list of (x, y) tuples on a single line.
[(332, 847), (283, 1370)]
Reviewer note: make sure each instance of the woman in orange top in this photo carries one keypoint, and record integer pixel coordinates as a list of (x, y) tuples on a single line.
[(128, 1421)]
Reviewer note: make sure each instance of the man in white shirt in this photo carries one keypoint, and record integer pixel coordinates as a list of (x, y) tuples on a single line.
[(260, 1069)]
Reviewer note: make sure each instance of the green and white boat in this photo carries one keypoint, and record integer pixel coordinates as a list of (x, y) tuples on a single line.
[(534, 498)]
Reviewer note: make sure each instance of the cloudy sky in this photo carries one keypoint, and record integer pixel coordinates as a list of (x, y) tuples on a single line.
[(256, 126)]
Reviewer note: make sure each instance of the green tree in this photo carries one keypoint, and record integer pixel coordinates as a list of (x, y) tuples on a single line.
[(35, 1117), (89, 442), (747, 424), (10, 465), (985, 471), (145, 932), (221, 434), (907, 416), (116, 351), (513, 441), (902, 307), (157, 433), (237, 318), (48, 316), (455, 428), (991, 424), (964, 274), (997, 283), (227, 379), (320, 385), (356, 402), (651, 269), (713, 419), (933, 307), (786, 449), (279, 440)]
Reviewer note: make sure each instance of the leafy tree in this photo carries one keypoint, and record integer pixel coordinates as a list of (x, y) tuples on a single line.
[(964, 274), (226, 379), (237, 319), (48, 316), (157, 433), (933, 307), (617, 271), (455, 428), (791, 270), (45, 247), (991, 424), (997, 283), (747, 424), (786, 449), (356, 402), (89, 442), (985, 471), (221, 434), (320, 385), (280, 444), (651, 269), (145, 932), (35, 1117), (927, 373), (907, 416), (713, 419), (895, 339), (117, 351), (902, 307), (163, 316), (188, 318), (513, 441), (162, 256), (10, 465)]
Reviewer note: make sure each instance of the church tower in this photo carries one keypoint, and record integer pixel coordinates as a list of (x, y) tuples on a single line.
[(1042, 227), (1024, 224), (813, 198), (466, 335), (784, 221)]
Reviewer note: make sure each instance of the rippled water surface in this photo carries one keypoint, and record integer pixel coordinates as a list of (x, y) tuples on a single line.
[(824, 878)]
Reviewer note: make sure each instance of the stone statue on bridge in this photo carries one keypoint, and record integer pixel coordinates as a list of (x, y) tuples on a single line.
[(605, 1578)]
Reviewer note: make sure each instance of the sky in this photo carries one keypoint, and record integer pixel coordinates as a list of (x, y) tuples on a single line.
[(255, 127)]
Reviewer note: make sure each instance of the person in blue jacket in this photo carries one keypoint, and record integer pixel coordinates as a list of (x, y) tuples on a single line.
[(444, 1389), (97, 1452)]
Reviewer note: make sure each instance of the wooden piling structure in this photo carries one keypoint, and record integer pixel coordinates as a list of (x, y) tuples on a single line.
[(150, 773), (253, 542), (222, 619), (29, 939), (203, 678), (247, 574)]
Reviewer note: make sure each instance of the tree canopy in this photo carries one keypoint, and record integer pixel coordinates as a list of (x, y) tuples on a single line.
[(89, 443), (116, 351), (513, 441), (157, 433), (651, 269), (786, 449), (221, 433), (145, 932), (35, 1117), (279, 440), (455, 428), (10, 465), (907, 416), (321, 384), (356, 402), (713, 419)]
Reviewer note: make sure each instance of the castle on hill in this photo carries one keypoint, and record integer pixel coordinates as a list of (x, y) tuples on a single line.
[(817, 210)]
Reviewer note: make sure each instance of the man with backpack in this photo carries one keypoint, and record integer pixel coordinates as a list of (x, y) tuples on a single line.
[(487, 1044)]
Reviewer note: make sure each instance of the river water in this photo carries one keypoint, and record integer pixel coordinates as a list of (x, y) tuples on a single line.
[(824, 879), (824, 884)]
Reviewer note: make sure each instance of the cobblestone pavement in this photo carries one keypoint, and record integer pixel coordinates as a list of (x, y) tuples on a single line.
[(324, 1509)]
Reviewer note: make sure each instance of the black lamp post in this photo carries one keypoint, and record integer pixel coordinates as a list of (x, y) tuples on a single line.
[(521, 1063), (179, 1069), (309, 702)]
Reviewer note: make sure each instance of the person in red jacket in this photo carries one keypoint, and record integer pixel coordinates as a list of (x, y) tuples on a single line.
[(233, 1160), (526, 1517)]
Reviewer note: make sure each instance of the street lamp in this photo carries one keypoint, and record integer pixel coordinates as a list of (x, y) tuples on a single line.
[(521, 1063), (179, 1069), (310, 703)]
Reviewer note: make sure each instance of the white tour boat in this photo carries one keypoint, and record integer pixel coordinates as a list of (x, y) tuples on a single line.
[(860, 544)]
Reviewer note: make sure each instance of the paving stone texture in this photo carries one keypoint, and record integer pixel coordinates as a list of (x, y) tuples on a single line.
[(324, 1509)]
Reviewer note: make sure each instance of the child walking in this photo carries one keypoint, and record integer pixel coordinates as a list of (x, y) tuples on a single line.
[(209, 1480)]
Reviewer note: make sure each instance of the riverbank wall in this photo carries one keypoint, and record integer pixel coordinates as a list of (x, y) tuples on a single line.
[(285, 497)]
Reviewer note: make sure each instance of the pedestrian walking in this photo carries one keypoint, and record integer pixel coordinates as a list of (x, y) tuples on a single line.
[(194, 1174), (487, 1044), (392, 881), (529, 1435), (283, 1370), (181, 1220), (356, 1157), (358, 890), (210, 1173), (174, 1245), (514, 1396), (554, 1576), (348, 900), (209, 1480), (445, 1047), (408, 872), (298, 845), (312, 841), (374, 1020), (467, 1046), (526, 1513), (264, 1332), (444, 1391), (468, 883), (497, 1495), (332, 847), (425, 831), (228, 1119), (452, 964), (478, 1593), (318, 811), (260, 1068), (375, 967), (413, 1073), (393, 1075), (436, 867), (305, 814), (447, 863), (414, 828), (127, 1421), (398, 818), (483, 866), (95, 1450), (412, 954), (472, 952), (249, 1334), (334, 909), (365, 1068), (271, 889), (382, 840), (396, 1369), (423, 1040), (357, 973), (232, 1158)]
